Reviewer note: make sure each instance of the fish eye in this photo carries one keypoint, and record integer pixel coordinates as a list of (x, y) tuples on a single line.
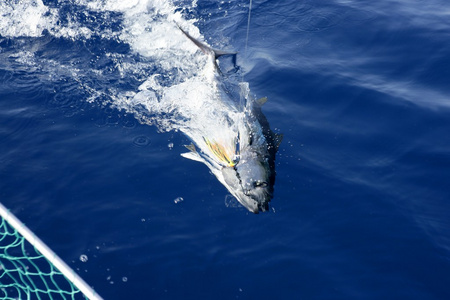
[(260, 184)]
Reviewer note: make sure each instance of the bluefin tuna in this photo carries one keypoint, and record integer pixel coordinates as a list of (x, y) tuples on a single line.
[(244, 162)]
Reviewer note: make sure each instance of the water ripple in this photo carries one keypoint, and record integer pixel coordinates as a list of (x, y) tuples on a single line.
[(141, 141)]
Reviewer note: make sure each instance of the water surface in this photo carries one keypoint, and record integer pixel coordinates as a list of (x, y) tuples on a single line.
[(359, 89)]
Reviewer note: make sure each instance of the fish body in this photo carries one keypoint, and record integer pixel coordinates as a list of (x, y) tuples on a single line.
[(241, 151)]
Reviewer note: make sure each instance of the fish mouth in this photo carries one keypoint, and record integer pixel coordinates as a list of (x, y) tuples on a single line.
[(253, 196), (255, 201)]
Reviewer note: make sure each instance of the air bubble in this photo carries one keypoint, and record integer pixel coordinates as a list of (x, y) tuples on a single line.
[(231, 201), (83, 258), (178, 200)]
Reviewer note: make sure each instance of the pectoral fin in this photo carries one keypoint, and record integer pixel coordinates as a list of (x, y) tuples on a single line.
[(191, 147), (193, 155), (220, 153)]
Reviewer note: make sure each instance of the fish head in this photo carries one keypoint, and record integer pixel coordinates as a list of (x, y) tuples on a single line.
[(250, 180)]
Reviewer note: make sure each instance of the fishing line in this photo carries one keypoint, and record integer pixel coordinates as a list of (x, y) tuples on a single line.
[(248, 30), (245, 48)]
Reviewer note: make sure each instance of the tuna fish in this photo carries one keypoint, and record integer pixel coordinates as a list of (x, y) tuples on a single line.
[(244, 162)]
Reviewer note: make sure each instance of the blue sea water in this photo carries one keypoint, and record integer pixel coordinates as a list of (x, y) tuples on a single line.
[(360, 90)]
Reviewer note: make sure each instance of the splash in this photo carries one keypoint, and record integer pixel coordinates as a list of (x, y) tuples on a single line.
[(133, 57), (128, 55)]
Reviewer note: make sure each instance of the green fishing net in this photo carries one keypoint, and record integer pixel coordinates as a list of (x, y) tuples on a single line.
[(26, 274)]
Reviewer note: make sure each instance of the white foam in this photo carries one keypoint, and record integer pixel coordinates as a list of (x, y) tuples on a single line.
[(24, 18), (176, 91)]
